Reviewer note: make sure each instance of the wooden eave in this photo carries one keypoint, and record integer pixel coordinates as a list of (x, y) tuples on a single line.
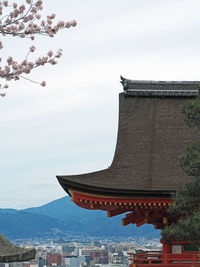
[(68, 184), (140, 209)]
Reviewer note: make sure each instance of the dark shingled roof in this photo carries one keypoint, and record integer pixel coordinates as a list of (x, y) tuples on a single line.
[(159, 88), (151, 136)]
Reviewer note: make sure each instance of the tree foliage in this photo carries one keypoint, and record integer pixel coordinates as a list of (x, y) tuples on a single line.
[(185, 212), (185, 209), (190, 160), (192, 112)]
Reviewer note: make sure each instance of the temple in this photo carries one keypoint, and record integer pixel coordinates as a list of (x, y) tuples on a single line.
[(145, 170)]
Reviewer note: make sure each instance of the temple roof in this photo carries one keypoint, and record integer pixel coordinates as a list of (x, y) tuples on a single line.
[(160, 88), (151, 136)]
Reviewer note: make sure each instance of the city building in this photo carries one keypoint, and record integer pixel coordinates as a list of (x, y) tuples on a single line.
[(99, 256), (79, 261), (53, 259)]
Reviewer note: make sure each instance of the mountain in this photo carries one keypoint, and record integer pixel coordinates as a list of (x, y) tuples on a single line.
[(27, 225), (8, 211), (62, 218)]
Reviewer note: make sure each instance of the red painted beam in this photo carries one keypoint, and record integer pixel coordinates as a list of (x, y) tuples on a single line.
[(132, 218), (127, 220), (143, 221), (115, 212), (114, 200)]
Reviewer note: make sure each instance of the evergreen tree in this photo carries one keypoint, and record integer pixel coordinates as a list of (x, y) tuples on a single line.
[(185, 209)]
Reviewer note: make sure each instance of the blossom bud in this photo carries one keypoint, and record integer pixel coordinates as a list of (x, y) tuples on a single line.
[(61, 23), (43, 23), (50, 53), (5, 3), (49, 21), (10, 60), (7, 69), (33, 10), (32, 48), (21, 26), (68, 25), (38, 16), (52, 16), (19, 72), (15, 67), (73, 23), (43, 83)]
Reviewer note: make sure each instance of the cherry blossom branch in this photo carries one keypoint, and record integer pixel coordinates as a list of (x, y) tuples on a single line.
[(13, 69), (16, 23), (25, 21), (43, 83)]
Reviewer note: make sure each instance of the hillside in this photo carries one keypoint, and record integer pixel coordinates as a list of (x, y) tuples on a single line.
[(62, 218)]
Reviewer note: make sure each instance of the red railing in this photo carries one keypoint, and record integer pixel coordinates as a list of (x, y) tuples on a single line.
[(158, 259)]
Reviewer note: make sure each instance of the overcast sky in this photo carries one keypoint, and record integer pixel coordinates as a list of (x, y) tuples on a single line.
[(70, 126)]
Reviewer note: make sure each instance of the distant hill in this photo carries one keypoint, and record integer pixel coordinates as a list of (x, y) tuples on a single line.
[(8, 211), (62, 218), (20, 224)]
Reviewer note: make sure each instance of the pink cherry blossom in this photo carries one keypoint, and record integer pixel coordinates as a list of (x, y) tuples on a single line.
[(68, 24), (43, 83), (50, 53), (10, 60), (5, 3), (49, 21), (38, 16), (25, 21), (32, 48), (73, 23)]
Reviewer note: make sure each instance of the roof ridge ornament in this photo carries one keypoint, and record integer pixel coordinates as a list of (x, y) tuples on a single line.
[(152, 88)]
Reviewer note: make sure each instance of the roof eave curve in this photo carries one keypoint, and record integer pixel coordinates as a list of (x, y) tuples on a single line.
[(74, 183)]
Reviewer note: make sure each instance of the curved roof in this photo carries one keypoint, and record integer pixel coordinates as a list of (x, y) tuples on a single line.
[(151, 136)]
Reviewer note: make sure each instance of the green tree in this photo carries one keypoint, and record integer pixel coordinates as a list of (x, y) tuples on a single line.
[(185, 209)]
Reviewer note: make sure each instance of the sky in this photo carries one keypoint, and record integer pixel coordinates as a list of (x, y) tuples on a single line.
[(70, 126)]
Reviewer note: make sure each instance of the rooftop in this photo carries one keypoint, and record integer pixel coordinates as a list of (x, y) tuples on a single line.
[(160, 88), (151, 136)]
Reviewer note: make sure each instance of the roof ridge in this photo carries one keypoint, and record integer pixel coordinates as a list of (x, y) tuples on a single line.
[(160, 88)]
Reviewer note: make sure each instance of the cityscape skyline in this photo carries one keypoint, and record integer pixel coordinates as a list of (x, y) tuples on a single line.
[(83, 253)]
